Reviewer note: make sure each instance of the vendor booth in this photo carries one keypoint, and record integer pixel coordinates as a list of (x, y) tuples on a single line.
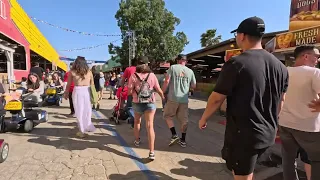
[(304, 28), (14, 48)]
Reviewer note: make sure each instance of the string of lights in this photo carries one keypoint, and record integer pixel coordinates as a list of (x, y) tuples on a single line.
[(74, 31), (90, 47)]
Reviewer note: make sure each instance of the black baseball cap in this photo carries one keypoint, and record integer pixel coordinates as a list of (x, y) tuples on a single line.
[(253, 26)]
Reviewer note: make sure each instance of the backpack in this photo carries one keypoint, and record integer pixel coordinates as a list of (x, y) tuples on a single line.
[(145, 93)]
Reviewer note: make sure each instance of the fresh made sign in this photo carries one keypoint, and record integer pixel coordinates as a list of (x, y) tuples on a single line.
[(298, 38)]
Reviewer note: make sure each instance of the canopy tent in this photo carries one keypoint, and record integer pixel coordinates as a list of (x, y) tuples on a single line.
[(102, 68), (112, 63)]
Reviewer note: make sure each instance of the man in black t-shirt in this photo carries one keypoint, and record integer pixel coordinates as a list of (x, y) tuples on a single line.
[(38, 70), (254, 84)]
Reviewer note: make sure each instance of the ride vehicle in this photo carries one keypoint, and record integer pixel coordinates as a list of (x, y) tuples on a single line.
[(4, 150), (25, 112), (53, 96), (4, 147)]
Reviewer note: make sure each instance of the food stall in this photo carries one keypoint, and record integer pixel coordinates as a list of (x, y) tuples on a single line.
[(304, 28)]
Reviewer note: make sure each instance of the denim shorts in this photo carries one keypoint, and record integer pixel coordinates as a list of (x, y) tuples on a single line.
[(142, 107)]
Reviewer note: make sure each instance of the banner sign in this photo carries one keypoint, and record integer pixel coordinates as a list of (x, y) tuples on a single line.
[(164, 65), (270, 45), (298, 38), (304, 14), (231, 53)]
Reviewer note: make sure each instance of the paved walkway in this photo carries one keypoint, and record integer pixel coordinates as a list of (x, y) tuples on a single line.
[(51, 150)]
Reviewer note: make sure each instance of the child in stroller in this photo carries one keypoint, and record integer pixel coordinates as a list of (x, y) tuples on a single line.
[(119, 111)]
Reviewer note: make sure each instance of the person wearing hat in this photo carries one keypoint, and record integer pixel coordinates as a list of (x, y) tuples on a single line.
[(180, 79), (142, 85), (254, 83)]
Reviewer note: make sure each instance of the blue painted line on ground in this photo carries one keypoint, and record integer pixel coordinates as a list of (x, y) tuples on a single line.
[(150, 175)]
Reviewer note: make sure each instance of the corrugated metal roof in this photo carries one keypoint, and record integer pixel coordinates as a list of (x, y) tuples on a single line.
[(230, 41)]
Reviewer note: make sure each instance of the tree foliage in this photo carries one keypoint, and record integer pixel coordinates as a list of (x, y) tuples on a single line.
[(209, 38), (154, 28)]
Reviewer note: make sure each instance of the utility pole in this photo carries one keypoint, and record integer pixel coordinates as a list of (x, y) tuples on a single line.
[(132, 45)]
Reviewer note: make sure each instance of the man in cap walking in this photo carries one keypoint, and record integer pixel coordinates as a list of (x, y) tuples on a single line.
[(254, 84), (180, 79)]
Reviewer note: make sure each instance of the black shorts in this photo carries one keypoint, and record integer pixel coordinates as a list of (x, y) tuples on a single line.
[(241, 160), (303, 156)]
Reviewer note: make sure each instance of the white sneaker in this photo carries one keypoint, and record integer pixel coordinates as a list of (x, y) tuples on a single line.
[(152, 156)]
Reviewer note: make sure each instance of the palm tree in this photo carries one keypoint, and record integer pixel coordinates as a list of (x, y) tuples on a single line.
[(209, 38)]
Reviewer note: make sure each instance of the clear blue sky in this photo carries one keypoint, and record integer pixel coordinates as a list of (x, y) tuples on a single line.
[(97, 16)]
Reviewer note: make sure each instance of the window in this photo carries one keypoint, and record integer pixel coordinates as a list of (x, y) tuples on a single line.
[(3, 63), (20, 59), (3, 10)]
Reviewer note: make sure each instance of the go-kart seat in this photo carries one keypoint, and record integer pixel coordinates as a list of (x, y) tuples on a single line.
[(31, 104), (32, 101)]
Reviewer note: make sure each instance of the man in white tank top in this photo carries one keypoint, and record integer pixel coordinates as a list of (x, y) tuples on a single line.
[(299, 126)]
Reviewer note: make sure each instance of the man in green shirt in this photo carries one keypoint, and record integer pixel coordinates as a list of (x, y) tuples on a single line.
[(180, 80)]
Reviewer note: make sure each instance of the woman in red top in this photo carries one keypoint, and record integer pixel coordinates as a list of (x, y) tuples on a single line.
[(70, 90)]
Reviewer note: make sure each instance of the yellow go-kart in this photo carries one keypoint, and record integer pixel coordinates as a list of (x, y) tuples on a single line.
[(53, 96), (25, 114)]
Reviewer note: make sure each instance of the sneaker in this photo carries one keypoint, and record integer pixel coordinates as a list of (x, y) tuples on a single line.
[(137, 143), (173, 140), (131, 126), (182, 143), (80, 135), (152, 156)]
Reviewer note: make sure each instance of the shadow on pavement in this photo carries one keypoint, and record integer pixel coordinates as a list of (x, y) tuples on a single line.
[(66, 141), (202, 170), (201, 142), (57, 107), (153, 175), (279, 176), (55, 123)]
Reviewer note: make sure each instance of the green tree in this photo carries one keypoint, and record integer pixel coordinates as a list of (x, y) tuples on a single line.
[(154, 28), (209, 38)]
